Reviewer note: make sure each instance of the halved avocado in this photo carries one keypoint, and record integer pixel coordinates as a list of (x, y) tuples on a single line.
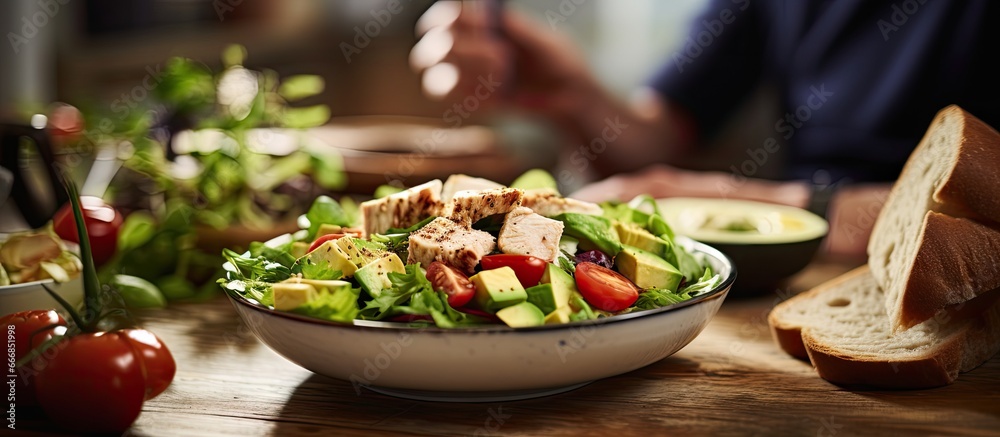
[(741, 221), (767, 242)]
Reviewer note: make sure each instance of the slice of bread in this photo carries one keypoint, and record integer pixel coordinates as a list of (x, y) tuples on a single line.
[(932, 245), (843, 328)]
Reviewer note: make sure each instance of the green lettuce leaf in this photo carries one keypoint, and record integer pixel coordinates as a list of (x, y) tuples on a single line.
[(325, 210), (706, 283), (339, 306), (319, 271), (404, 286)]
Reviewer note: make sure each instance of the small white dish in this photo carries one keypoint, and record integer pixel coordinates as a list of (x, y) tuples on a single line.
[(32, 296), (490, 363)]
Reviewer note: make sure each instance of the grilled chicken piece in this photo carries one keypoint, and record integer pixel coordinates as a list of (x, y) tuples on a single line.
[(402, 209), (549, 203), (468, 207), (444, 240), (461, 182), (527, 233)]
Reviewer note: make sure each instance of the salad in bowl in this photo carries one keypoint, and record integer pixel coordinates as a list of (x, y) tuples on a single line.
[(468, 290), (469, 252)]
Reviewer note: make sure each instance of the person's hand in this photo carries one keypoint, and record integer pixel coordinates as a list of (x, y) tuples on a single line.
[(665, 181), (658, 181), (462, 54)]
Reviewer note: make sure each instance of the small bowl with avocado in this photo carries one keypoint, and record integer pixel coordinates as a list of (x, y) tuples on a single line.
[(767, 242)]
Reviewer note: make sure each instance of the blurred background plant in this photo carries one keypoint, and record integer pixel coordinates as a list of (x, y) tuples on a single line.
[(209, 160)]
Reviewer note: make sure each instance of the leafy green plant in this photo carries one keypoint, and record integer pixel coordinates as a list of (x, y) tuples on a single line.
[(206, 152)]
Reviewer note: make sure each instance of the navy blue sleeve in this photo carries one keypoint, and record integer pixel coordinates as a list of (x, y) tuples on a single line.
[(718, 65)]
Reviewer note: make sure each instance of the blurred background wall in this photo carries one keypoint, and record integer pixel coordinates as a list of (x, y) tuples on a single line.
[(105, 47), (98, 52)]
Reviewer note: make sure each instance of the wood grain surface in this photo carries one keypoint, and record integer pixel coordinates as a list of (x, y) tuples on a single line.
[(731, 380)]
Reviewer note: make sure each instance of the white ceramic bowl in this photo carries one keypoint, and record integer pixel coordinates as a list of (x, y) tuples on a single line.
[(491, 363), (31, 296)]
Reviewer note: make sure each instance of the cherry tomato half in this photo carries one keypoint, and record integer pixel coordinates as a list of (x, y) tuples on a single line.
[(323, 239), (31, 329), (605, 289), (529, 269), (454, 283), (102, 220)]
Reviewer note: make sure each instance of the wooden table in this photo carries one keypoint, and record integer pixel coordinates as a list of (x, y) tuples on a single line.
[(731, 380)]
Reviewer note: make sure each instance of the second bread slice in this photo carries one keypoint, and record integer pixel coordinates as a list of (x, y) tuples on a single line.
[(936, 241), (843, 328)]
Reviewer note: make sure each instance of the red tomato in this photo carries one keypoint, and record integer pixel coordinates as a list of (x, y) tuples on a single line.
[(157, 362), (93, 383), (529, 269), (102, 221), (323, 239), (604, 288), (454, 283), (30, 329), (97, 382)]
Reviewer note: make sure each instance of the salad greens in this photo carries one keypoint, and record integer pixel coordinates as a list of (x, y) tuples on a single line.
[(412, 294), (409, 295), (339, 306)]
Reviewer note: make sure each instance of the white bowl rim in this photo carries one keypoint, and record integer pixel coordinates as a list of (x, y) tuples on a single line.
[(718, 292), (15, 287)]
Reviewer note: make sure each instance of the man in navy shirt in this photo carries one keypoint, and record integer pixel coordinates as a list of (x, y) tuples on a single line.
[(859, 82)]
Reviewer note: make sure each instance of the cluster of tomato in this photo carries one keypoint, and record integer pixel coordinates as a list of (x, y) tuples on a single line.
[(90, 382), (93, 380)]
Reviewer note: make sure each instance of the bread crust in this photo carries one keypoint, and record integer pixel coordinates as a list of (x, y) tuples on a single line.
[(969, 190), (955, 257), (843, 369), (966, 349), (956, 261), (969, 335)]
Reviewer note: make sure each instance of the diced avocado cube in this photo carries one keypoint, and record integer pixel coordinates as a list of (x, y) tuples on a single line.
[(542, 297), (634, 235), (521, 315), (374, 277), (347, 247), (331, 255), (647, 270), (331, 285), (563, 285), (559, 316), (299, 249), (498, 288), (290, 295), (370, 251), (327, 228)]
